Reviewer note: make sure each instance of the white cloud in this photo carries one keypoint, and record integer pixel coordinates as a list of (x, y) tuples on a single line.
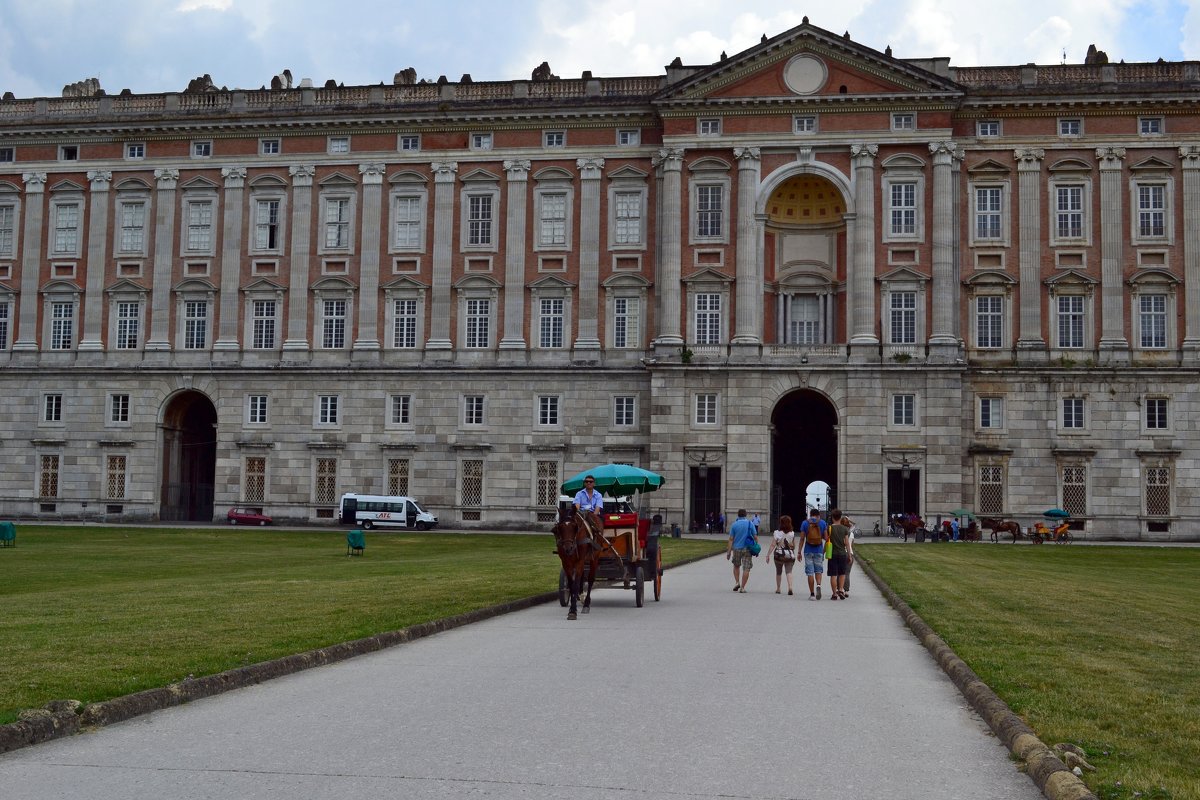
[(196, 5)]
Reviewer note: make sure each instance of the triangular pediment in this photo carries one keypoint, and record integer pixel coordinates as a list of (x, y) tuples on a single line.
[(338, 180), (708, 276), (199, 183), (903, 275), (479, 174), (551, 283), (810, 63), (1070, 276), (1151, 164), (989, 167), (127, 286), (404, 284), (627, 172), (263, 285), (66, 186)]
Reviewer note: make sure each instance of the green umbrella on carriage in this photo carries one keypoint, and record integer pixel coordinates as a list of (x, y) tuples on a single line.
[(962, 512), (1056, 513), (615, 480)]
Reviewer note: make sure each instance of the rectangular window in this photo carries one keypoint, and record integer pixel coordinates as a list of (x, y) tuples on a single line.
[(263, 312), (327, 409), (991, 412), (989, 322), (256, 409), (904, 208), (128, 325), (4, 325), (550, 322), (1072, 413), (989, 127), (52, 406), (114, 483), (804, 123), (1074, 491), (404, 324), (1152, 321), (479, 318), (1070, 321), (1156, 413), (629, 137), (118, 408), (708, 319), (1150, 126), (904, 122), (555, 139), (479, 220), (1158, 491), (624, 411), (195, 324), (625, 322), (904, 409), (254, 486), (471, 489), (1070, 127), (401, 409), (547, 486), (48, 477), (408, 222), (548, 410), (337, 223), (270, 147), (804, 320), (410, 142), (200, 230), (991, 489), (706, 409), (339, 145), (709, 211), (266, 225), (7, 155), (553, 219), (1069, 212), (8, 230), (135, 151), (133, 227), (201, 149), (987, 212), (710, 126), (397, 477), (62, 326), (473, 409), (481, 141), (325, 489), (66, 229), (333, 324), (903, 309), (68, 152), (628, 218), (1152, 210)]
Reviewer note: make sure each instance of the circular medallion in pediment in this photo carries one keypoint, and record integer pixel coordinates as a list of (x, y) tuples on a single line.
[(805, 74)]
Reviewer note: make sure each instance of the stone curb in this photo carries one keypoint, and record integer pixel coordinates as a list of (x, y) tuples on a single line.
[(61, 718), (1051, 775)]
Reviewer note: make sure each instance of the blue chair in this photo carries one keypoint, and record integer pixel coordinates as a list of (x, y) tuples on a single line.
[(8, 534), (355, 543)]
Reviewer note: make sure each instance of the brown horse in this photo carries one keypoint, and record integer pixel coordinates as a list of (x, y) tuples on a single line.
[(579, 555), (1000, 526), (911, 525)]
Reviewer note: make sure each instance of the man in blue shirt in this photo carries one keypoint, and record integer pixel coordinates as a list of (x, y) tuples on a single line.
[(741, 533), (813, 531), (590, 505)]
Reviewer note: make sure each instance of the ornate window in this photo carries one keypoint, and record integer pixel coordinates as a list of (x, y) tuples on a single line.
[(1158, 489), (325, 481), (254, 479), (470, 491), (991, 489), (48, 476), (397, 476), (115, 467), (546, 489), (1074, 490)]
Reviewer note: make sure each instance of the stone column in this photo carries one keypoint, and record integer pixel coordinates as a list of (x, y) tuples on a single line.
[(443, 251), (749, 268), (1190, 157), (31, 259), (1114, 345), (860, 266), (296, 343), (164, 246), (588, 337), (369, 242), (943, 343), (231, 260), (956, 247), (514, 255), (670, 257), (1029, 225), (93, 296)]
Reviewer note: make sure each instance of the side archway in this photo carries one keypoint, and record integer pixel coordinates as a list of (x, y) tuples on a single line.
[(189, 458), (804, 449)]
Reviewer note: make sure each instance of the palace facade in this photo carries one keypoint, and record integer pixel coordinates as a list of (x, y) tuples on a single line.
[(931, 287)]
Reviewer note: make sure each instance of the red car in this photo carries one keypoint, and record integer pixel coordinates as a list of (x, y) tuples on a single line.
[(245, 516)]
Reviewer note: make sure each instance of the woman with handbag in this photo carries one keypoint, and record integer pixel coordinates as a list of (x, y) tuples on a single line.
[(783, 551)]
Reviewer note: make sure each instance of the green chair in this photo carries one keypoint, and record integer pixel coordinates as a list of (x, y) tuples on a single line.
[(8, 534), (355, 543)]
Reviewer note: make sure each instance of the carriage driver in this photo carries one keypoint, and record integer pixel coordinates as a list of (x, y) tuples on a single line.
[(590, 505)]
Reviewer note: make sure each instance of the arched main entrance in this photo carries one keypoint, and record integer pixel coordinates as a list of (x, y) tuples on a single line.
[(189, 458), (804, 448)]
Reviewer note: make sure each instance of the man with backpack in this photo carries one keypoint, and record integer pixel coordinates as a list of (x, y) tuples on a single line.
[(813, 530)]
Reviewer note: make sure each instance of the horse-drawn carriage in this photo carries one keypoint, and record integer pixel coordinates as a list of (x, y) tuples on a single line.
[(632, 556), (1053, 527)]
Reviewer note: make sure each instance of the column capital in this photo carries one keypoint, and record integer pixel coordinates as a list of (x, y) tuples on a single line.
[(590, 168), (747, 157), (372, 173), (942, 152), (1110, 157), (1029, 158), (1190, 153), (166, 178), (302, 174), (863, 154), (444, 171), (35, 182), (235, 177), (517, 168), (669, 158), (100, 178)]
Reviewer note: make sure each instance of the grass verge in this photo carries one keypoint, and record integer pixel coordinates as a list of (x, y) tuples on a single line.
[(95, 613), (1099, 646)]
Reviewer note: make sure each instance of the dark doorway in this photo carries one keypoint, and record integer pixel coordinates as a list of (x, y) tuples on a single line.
[(706, 499), (189, 458), (803, 450), (903, 492)]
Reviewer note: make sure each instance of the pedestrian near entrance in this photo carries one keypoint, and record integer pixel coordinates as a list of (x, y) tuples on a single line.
[(813, 532), (757, 524), (954, 529), (741, 534), (783, 552), (849, 523), (839, 536)]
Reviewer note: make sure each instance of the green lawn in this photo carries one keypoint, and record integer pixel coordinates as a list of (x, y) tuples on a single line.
[(1099, 646), (95, 613)]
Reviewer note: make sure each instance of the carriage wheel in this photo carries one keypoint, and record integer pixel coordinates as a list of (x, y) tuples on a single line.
[(564, 594), (639, 588), (657, 575)]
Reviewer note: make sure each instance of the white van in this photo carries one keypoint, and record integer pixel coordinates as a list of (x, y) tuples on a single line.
[(370, 510)]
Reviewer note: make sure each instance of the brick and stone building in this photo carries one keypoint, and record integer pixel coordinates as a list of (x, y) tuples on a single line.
[(929, 286)]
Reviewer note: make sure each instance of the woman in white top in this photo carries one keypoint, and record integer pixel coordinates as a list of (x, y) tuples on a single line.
[(783, 551)]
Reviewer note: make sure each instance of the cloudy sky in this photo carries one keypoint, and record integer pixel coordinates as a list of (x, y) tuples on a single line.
[(159, 45)]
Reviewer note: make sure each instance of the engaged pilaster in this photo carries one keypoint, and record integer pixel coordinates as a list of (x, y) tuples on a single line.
[(1029, 223), (590, 170), (942, 341), (368, 281), (31, 259), (514, 255), (93, 297), (1114, 345), (861, 267), (749, 280), (444, 173), (164, 242), (296, 344), (231, 261), (670, 257), (1189, 155)]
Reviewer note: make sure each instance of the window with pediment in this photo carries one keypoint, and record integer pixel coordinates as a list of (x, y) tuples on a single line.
[(480, 205), (1153, 301), (268, 203), (553, 198), (338, 203), (625, 311), (709, 188), (200, 202), (404, 305), (904, 301), (126, 314), (1072, 299), (194, 312), (627, 206), (903, 199), (408, 198), (477, 297)]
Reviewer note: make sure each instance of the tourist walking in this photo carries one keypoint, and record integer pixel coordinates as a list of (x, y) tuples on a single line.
[(783, 552), (839, 537), (849, 523), (813, 532), (955, 529), (741, 535)]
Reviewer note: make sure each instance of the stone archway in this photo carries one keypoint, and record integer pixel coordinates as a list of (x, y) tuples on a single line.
[(804, 449), (189, 458)]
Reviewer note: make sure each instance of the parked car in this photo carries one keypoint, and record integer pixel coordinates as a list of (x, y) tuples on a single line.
[(246, 516)]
